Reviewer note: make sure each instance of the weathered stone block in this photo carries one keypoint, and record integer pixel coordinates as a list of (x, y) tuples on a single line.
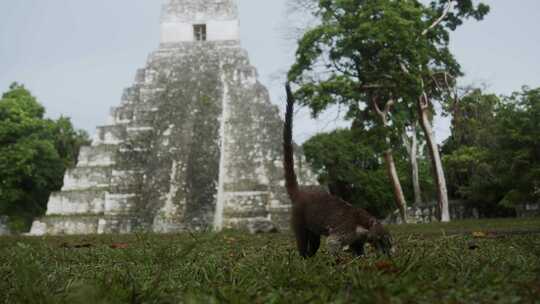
[(77, 202), (97, 156), (4, 229), (84, 178), (262, 227), (110, 135), (65, 225), (118, 204)]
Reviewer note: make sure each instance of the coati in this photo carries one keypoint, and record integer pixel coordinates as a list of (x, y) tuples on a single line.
[(316, 213)]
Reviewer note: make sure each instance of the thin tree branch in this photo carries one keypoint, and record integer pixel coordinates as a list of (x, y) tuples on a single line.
[(404, 68), (423, 99), (388, 106), (376, 107), (440, 19), (407, 142)]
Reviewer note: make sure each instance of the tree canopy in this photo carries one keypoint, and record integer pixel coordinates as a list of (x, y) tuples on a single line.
[(361, 47), (34, 154)]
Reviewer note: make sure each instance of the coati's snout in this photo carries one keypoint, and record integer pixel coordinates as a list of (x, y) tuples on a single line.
[(381, 239), (383, 244)]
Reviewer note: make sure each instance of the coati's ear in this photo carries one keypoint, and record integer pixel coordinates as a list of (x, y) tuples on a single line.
[(372, 222)]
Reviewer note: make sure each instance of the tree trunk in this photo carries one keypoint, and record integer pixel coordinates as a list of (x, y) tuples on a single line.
[(438, 171), (389, 159), (396, 185), (413, 156)]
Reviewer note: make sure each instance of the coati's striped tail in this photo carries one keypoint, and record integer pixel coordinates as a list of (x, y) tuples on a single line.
[(291, 181)]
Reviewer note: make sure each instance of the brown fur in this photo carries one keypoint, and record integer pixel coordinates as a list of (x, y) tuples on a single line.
[(317, 213)]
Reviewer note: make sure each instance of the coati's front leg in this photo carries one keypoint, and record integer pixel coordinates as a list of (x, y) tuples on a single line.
[(307, 242), (357, 247), (314, 242), (304, 239), (301, 237)]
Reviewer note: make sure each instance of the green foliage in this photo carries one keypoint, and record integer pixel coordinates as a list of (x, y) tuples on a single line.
[(349, 162), (351, 169), (518, 151), (469, 170), (68, 141), (359, 49), (492, 157), (34, 153), (433, 263), (473, 118)]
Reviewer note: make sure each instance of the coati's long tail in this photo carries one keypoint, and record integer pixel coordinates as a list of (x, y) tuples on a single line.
[(291, 181)]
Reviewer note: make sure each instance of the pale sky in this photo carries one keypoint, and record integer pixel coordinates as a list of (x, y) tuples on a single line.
[(76, 56)]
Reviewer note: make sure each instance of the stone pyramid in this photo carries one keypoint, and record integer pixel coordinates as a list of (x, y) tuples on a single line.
[(194, 145)]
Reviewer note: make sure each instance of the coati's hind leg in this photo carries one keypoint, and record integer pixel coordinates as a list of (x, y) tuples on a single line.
[(314, 242), (301, 235)]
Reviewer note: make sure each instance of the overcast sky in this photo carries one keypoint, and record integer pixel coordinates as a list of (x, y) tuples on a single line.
[(76, 56)]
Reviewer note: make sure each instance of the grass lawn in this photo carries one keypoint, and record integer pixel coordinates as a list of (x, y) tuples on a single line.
[(435, 263)]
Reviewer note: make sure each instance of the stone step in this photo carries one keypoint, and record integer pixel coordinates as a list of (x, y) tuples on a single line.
[(83, 225), (118, 133), (119, 203), (141, 92), (97, 156), (110, 135), (123, 114), (130, 95), (83, 202), (84, 178), (90, 202), (245, 204), (140, 113)]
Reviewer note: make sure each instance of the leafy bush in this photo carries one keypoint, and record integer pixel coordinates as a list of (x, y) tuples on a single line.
[(34, 154)]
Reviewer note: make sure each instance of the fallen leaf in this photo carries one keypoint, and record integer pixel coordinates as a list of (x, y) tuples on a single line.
[(119, 246), (386, 267), (479, 234)]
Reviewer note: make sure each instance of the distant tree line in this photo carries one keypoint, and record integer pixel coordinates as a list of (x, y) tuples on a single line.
[(491, 159), (34, 154)]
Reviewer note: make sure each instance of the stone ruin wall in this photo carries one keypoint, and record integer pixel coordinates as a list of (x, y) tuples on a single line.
[(428, 213), (4, 229), (179, 16), (197, 10), (194, 145)]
